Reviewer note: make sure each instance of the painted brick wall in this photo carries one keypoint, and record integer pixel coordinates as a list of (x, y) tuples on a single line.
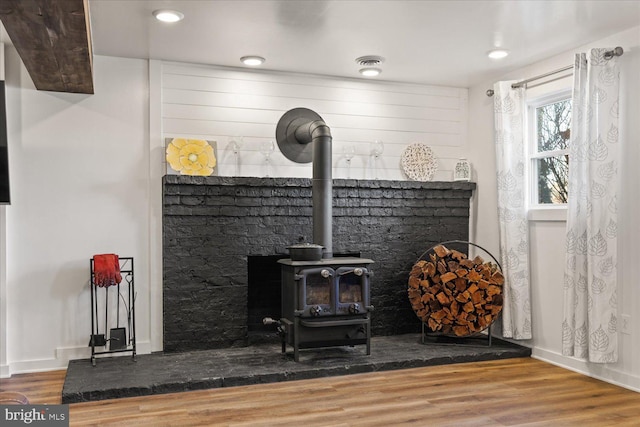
[(211, 225)]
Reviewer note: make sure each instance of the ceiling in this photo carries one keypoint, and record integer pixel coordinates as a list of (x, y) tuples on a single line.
[(430, 42)]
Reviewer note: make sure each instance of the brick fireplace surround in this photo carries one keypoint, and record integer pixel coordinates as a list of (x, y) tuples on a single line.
[(211, 225)]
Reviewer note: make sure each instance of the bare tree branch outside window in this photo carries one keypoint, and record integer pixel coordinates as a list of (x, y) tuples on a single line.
[(553, 132)]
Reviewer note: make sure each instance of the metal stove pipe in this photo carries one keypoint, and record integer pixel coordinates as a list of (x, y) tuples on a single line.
[(296, 129), (322, 186)]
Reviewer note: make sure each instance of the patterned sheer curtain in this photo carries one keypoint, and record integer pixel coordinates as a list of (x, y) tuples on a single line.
[(514, 229), (589, 326)]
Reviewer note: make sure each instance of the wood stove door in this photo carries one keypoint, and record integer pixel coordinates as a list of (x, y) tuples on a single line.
[(316, 292), (352, 294)]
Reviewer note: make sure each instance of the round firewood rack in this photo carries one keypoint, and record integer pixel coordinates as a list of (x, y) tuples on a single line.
[(454, 296)]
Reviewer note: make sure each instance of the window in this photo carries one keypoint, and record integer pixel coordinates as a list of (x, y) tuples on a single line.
[(550, 121)]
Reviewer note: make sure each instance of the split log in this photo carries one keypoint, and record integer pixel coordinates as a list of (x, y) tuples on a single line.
[(455, 295)]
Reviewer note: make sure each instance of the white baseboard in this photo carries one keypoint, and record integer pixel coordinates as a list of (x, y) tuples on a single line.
[(36, 365), (601, 372), (72, 353), (61, 360), (4, 371)]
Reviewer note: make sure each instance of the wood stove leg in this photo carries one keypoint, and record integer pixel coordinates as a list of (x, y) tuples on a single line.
[(368, 326), (296, 334)]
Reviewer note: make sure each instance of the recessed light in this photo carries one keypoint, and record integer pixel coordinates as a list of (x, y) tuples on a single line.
[(498, 53), (370, 71), (252, 60), (370, 64), (166, 15)]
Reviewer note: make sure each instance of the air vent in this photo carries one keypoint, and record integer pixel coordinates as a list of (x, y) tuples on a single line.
[(369, 61)]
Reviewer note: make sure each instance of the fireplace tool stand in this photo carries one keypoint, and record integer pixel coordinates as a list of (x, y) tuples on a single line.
[(116, 340)]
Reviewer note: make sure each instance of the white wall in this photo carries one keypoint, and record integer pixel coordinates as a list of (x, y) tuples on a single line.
[(80, 186), (86, 174), (222, 104), (4, 367), (547, 239)]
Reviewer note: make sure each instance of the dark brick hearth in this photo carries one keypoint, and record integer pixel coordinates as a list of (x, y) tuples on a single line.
[(212, 224), (116, 377)]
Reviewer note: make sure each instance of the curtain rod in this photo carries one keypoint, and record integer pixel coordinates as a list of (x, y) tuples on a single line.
[(618, 51)]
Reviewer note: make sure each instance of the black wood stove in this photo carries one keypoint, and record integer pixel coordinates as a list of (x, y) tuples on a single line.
[(325, 303), (325, 300)]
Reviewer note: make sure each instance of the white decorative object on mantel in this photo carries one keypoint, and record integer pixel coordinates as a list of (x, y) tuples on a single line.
[(419, 162), (462, 171)]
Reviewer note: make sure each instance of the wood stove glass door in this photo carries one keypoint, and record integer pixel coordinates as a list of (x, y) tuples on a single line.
[(353, 290), (316, 291)]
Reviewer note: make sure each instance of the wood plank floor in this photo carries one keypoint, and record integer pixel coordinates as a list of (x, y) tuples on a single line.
[(510, 392)]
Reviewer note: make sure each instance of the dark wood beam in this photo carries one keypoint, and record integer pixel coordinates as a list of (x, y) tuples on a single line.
[(53, 39)]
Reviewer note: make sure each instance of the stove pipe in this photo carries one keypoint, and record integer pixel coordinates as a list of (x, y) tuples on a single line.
[(303, 136)]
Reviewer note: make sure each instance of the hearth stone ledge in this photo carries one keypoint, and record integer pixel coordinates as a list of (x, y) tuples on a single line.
[(306, 182)]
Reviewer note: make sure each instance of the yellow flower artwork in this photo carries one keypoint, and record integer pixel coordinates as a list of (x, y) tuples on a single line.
[(191, 156)]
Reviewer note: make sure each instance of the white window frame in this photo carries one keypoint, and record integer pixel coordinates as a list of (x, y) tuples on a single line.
[(541, 211)]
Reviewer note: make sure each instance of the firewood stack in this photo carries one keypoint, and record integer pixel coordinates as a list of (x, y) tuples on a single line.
[(454, 295)]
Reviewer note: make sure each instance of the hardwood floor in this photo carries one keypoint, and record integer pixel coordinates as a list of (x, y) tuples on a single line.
[(511, 392)]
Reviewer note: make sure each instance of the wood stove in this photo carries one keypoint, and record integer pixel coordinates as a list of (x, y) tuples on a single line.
[(325, 303)]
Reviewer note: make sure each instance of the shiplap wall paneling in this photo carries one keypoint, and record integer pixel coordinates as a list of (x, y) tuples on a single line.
[(223, 104)]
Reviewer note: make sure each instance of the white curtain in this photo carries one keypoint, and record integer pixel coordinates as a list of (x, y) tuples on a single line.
[(589, 325), (514, 229)]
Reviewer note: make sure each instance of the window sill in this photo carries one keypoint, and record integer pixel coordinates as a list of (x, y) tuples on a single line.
[(548, 214)]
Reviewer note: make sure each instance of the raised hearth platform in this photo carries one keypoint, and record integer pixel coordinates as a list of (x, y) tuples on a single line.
[(157, 373)]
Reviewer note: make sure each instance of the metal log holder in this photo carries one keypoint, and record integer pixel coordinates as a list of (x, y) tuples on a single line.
[(440, 338), (117, 334)]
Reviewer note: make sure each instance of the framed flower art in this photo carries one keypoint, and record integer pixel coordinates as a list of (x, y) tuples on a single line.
[(191, 157)]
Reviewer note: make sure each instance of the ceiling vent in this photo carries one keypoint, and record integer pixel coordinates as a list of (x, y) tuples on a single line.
[(369, 61)]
